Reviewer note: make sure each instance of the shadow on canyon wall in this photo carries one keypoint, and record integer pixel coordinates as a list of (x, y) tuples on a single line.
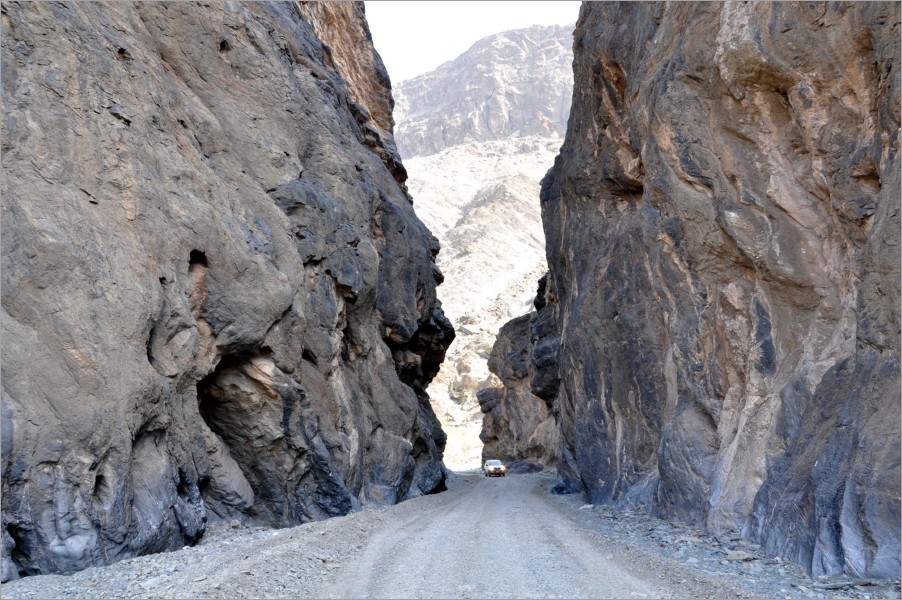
[(722, 233)]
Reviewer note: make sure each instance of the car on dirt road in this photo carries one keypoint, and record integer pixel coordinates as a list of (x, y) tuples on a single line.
[(494, 468)]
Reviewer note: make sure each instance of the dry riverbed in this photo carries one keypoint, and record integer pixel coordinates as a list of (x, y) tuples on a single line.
[(484, 538)]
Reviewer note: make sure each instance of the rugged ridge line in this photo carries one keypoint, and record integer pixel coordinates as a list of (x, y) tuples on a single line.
[(722, 230), (218, 302), (512, 84)]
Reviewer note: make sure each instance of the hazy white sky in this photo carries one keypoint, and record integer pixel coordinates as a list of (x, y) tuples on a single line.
[(415, 37)]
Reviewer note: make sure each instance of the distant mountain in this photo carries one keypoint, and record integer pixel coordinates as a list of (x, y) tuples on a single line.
[(477, 136), (512, 84)]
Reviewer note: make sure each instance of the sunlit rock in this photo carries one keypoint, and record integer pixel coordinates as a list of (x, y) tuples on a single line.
[(218, 302)]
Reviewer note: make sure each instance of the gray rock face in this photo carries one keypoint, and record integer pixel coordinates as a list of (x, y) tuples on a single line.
[(722, 230), (217, 300), (511, 84), (518, 423)]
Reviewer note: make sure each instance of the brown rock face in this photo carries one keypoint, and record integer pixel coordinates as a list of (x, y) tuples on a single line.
[(348, 48), (217, 300), (722, 230)]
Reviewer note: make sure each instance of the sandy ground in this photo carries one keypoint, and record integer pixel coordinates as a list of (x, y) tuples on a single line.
[(490, 538)]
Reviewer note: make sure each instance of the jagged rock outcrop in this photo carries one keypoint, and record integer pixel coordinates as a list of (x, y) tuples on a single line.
[(512, 84), (722, 231), (217, 300), (518, 423)]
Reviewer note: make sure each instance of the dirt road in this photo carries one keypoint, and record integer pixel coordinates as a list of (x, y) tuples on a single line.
[(498, 538), (483, 538)]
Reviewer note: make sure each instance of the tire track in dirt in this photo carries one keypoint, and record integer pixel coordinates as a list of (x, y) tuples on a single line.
[(483, 538), (497, 537)]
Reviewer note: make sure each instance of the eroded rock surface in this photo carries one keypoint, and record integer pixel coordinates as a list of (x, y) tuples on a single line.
[(518, 423), (218, 302), (512, 84), (722, 231)]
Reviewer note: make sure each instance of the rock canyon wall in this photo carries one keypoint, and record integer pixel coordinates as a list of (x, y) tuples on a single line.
[(518, 423), (218, 302), (722, 230)]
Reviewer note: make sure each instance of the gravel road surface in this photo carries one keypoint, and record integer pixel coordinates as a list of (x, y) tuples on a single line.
[(498, 538), (483, 538)]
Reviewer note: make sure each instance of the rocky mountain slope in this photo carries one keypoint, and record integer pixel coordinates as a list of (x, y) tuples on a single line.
[(722, 230), (513, 84), (481, 200), (477, 190), (218, 302)]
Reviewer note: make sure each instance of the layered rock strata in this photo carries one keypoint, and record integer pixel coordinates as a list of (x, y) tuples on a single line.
[(722, 230), (218, 302)]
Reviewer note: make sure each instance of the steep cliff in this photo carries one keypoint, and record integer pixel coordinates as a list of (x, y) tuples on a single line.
[(218, 302), (513, 84), (722, 230)]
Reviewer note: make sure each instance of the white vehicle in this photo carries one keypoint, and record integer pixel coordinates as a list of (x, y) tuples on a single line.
[(494, 468)]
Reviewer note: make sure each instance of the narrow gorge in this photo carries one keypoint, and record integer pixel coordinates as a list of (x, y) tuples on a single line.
[(222, 296), (477, 135)]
